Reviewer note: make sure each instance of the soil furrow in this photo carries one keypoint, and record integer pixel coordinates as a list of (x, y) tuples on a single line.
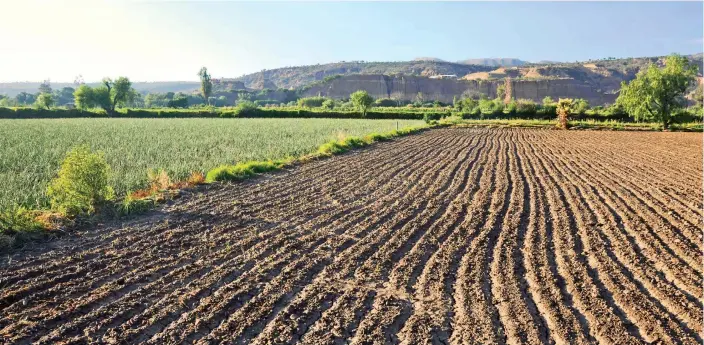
[(451, 236)]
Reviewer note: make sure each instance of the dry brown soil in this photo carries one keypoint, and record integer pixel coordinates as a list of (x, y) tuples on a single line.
[(452, 236)]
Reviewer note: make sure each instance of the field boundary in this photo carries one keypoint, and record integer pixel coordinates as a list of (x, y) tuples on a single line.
[(25, 225), (580, 125)]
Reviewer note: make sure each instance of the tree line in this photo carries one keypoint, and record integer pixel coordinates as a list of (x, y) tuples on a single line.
[(654, 95)]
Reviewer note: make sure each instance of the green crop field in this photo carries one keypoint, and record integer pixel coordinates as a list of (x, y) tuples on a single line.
[(31, 150)]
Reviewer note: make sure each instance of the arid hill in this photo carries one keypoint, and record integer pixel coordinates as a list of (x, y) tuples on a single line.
[(603, 75)]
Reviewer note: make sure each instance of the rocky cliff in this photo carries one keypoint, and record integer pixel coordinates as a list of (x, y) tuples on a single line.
[(444, 90)]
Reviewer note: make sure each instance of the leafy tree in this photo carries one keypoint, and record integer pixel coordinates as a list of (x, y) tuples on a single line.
[(580, 106), (362, 101), (526, 107), (419, 98), (244, 96), (107, 96), (83, 97), (548, 107), (45, 87), (491, 107), (25, 98), (385, 102), (328, 104), (45, 100), (64, 96), (180, 101), (467, 104), (7, 102), (547, 101), (206, 85), (220, 101), (657, 93), (152, 100), (101, 98), (121, 92), (311, 102)]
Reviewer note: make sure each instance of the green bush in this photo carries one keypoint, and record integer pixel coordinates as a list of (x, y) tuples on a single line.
[(386, 102), (131, 205), (18, 219), (240, 171), (265, 102), (429, 117), (526, 107), (490, 107), (512, 108), (311, 102), (580, 106), (82, 183)]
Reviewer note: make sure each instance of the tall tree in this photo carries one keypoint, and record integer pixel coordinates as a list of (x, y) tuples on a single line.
[(45, 100), (45, 87), (656, 92), (122, 92), (25, 98), (107, 96), (84, 97), (361, 101), (206, 85)]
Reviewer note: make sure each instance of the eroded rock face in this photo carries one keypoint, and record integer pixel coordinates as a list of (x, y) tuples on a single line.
[(444, 90)]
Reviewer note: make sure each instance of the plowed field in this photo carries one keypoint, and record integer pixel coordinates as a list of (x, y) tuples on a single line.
[(452, 236)]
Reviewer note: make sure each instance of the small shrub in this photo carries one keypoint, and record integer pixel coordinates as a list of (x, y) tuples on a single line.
[(428, 117), (352, 142), (82, 183), (386, 102), (158, 179), (526, 107), (196, 178), (134, 205), (331, 148), (328, 104), (512, 108), (240, 171), (245, 108), (311, 102), (18, 219)]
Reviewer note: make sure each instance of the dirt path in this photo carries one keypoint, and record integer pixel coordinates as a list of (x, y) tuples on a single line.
[(453, 236)]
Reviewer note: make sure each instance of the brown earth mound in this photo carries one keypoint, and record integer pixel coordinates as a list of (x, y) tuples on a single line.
[(453, 236)]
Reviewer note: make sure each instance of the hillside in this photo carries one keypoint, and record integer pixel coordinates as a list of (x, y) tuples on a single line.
[(495, 62), (294, 77), (604, 75)]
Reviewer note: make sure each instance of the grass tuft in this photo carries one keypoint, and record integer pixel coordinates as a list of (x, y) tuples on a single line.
[(241, 171)]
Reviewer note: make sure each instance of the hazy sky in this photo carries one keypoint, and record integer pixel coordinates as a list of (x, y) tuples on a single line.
[(163, 40)]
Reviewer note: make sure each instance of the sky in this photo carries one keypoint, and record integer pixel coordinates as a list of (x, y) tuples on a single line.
[(169, 40)]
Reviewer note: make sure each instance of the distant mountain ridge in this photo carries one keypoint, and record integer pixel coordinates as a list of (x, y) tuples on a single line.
[(12, 89), (495, 62), (605, 74)]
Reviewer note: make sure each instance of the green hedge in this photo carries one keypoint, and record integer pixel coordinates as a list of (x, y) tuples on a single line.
[(683, 116), (33, 113), (29, 113)]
